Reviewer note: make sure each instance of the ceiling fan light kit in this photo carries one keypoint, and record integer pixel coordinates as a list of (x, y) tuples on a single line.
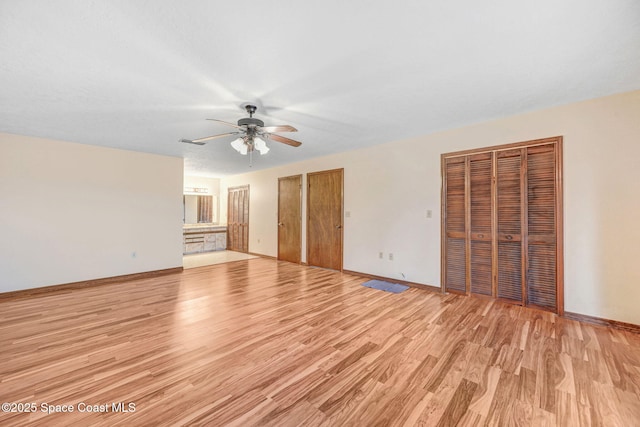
[(240, 146), (252, 134), (260, 145)]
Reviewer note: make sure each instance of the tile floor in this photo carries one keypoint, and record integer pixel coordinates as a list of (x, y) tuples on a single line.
[(211, 258)]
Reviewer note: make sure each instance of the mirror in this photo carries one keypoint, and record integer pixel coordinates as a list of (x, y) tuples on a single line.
[(199, 209)]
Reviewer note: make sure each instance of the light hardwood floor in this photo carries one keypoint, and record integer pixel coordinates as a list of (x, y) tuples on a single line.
[(262, 342)]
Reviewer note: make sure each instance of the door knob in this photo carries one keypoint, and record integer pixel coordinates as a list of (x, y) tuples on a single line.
[(280, 224), (338, 227)]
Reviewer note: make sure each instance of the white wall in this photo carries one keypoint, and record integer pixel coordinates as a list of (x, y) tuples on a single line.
[(389, 188), (72, 212)]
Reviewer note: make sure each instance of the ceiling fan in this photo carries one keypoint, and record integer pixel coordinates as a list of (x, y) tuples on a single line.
[(252, 134)]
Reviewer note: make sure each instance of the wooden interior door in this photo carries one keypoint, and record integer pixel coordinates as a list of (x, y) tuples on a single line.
[(290, 218), (542, 255), (238, 219), (509, 211), (324, 219), (480, 224), (502, 223), (454, 217)]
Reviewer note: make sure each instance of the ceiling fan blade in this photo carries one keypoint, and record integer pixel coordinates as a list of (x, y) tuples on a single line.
[(284, 140), (283, 128), (207, 138), (228, 124), (188, 141)]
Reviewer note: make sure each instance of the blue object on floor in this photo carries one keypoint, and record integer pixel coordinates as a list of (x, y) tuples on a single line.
[(395, 288)]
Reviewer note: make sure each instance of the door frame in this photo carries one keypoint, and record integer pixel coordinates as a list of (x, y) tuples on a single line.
[(278, 214), (341, 170)]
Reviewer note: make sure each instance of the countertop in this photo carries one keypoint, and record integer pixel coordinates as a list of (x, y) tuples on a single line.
[(203, 227)]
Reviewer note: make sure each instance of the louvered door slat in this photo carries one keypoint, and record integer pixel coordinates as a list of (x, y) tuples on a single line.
[(455, 211), (480, 175), (541, 286), (508, 192), (509, 223), (456, 260), (510, 271), (541, 195), (481, 265), (541, 191)]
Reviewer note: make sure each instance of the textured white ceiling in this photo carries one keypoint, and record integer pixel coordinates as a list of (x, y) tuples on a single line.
[(141, 74)]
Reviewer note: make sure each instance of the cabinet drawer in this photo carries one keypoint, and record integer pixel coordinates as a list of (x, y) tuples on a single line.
[(193, 247), (193, 238), (221, 241)]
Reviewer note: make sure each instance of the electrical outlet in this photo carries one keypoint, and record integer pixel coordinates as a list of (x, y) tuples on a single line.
[(258, 240), (390, 256), (380, 255), (134, 254), (347, 214), (429, 213)]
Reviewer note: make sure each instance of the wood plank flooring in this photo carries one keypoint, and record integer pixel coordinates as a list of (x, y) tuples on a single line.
[(269, 343)]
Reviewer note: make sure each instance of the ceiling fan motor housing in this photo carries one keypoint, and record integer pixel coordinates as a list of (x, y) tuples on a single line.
[(250, 122)]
